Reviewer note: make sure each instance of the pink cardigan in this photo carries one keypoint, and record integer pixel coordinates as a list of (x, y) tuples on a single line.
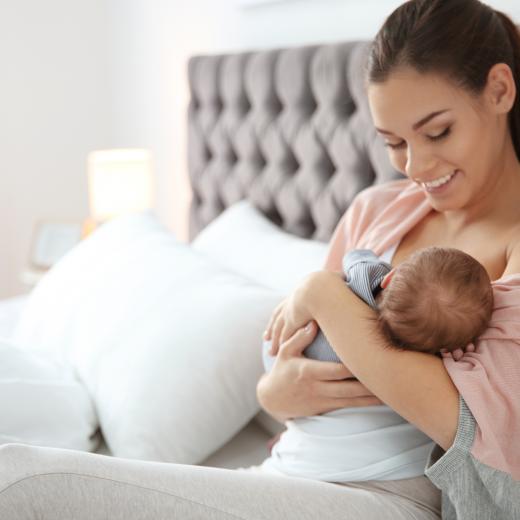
[(488, 378)]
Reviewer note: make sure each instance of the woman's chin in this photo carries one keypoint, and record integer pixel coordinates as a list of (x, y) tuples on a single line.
[(444, 205)]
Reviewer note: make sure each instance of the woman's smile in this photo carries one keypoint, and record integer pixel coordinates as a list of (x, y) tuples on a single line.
[(441, 185)]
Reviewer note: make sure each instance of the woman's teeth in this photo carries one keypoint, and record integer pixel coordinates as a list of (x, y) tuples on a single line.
[(439, 182)]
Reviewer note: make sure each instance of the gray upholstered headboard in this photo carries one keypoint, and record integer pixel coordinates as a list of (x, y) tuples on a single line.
[(288, 129)]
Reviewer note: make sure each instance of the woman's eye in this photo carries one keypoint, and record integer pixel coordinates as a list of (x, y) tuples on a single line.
[(441, 136), (431, 137), (395, 146)]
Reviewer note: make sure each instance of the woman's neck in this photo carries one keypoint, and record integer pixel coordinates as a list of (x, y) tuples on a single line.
[(499, 202)]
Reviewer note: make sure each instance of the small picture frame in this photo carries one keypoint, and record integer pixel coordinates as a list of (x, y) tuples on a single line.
[(51, 240)]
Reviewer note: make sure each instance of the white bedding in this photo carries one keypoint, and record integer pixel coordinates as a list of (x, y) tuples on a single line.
[(248, 447), (41, 401), (165, 340), (239, 241), (10, 310)]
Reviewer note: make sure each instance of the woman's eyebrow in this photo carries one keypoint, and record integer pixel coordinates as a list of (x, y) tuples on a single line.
[(420, 123)]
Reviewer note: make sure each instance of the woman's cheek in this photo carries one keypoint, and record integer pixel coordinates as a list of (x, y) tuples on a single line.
[(398, 160)]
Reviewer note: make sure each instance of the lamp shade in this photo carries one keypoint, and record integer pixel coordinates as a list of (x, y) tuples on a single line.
[(119, 181)]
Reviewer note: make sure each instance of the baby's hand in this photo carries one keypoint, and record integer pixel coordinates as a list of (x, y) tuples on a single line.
[(458, 353)]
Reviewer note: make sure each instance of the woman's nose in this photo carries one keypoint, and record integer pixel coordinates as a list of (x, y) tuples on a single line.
[(418, 164)]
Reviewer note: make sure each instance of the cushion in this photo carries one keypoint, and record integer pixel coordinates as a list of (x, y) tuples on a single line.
[(166, 340), (42, 403), (244, 240)]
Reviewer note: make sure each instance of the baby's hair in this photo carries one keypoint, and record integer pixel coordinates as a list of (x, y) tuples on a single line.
[(441, 295)]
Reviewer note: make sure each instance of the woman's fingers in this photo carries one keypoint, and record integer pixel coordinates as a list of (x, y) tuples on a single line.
[(285, 334), (272, 319), (273, 333), (299, 341), (277, 331), (328, 370), (269, 327), (300, 387)]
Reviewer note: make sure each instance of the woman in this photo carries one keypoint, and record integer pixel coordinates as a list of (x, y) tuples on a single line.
[(442, 84)]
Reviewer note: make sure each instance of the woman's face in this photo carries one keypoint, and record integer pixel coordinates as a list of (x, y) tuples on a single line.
[(439, 136)]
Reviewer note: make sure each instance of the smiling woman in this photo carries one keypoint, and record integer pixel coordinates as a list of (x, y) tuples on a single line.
[(433, 186), (438, 151), (462, 58), (446, 101)]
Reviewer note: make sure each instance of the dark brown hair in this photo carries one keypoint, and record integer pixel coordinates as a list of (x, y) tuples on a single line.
[(438, 298), (461, 39)]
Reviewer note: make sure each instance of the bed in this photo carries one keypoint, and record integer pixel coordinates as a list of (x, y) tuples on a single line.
[(286, 137)]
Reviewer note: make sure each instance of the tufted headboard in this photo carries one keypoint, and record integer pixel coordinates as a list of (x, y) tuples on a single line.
[(288, 129)]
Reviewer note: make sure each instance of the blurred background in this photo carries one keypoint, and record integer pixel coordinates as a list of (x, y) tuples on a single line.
[(85, 75)]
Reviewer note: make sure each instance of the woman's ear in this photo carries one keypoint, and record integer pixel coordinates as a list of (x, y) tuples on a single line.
[(501, 88), (386, 280)]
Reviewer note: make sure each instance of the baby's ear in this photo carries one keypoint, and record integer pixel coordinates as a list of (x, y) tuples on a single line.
[(386, 280)]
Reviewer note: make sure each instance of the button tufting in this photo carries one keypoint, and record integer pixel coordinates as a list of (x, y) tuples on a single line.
[(291, 132)]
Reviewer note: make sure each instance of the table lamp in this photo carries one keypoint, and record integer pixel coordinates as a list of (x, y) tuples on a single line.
[(119, 182)]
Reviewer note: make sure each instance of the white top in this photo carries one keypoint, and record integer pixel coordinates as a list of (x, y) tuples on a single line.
[(351, 444)]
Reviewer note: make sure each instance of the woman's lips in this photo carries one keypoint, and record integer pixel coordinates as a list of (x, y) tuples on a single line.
[(444, 187)]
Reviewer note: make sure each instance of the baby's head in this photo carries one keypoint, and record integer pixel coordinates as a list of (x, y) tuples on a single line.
[(438, 298)]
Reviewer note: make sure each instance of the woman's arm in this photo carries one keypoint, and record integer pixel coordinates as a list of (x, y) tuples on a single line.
[(414, 384)]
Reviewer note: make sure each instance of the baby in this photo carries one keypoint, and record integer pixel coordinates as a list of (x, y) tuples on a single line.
[(438, 299)]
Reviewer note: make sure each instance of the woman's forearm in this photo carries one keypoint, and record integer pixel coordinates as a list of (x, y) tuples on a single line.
[(414, 384)]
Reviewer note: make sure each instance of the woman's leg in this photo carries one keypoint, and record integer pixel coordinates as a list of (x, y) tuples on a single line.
[(52, 484)]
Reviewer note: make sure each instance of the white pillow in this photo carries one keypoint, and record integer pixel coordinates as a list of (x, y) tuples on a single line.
[(10, 309), (247, 242), (42, 403), (244, 240), (167, 341)]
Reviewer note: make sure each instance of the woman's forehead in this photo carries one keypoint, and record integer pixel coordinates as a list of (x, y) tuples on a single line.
[(408, 96)]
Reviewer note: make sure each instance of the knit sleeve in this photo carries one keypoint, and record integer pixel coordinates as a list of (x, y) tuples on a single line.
[(488, 379)]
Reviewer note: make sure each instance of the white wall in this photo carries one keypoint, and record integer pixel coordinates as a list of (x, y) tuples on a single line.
[(154, 39), (53, 110), (90, 74)]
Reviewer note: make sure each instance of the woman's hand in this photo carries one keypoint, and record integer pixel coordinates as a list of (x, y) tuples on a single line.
[(289, 315), (298, 387)]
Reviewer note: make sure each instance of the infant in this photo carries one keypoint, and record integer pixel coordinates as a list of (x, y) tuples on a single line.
[(438, 299)]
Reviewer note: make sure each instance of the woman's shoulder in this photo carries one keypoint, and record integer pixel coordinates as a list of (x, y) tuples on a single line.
[(381, 209), (402, 193)]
